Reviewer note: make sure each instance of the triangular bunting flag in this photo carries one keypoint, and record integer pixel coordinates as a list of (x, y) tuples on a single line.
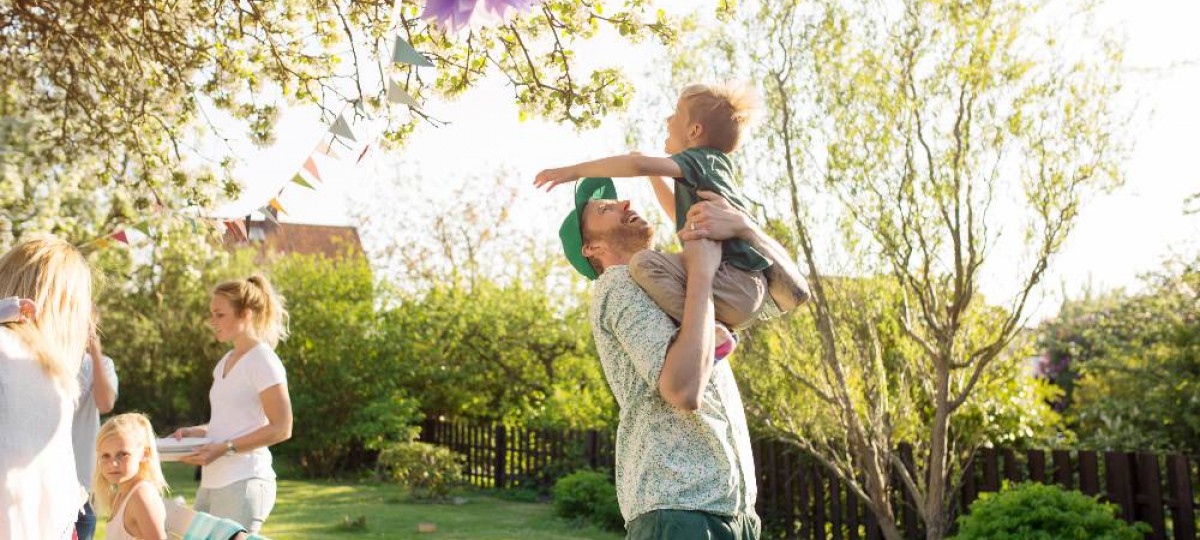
[(278, 207), (120, 237), (364, 153), (403, 53), (325, 147), (235, 228), (270, 214), (298, 179), (396, 94), (341, 128), (142, 227), (311, 167)]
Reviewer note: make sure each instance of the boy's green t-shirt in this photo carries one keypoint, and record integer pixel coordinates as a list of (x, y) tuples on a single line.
[(710, 169)]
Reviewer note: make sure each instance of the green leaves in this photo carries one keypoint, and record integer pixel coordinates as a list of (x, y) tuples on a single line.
[(113, 98), (1129, 363), (1032, 511), (429, 471), (912, 145)]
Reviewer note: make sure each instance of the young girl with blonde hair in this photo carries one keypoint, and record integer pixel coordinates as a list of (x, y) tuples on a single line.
[(39, 357), (128, 482), (251, 409)]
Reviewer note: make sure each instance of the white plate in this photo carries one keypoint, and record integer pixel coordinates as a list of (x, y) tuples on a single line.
[(169, 445)]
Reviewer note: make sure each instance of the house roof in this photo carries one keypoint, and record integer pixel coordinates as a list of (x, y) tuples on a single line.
[(333, 241)]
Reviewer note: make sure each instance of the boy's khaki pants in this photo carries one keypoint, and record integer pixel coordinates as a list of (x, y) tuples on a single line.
[(738, 295)]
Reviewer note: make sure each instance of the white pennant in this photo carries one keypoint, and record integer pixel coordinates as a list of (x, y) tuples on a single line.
[(396, 94), (341, 128)]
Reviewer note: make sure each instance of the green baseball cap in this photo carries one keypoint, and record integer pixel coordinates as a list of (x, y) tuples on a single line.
[(571, 231)]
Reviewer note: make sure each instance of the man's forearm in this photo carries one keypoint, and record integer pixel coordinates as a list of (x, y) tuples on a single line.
[(688, 365), (786, 284)]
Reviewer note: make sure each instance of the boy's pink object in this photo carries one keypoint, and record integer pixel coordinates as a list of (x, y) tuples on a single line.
[(725, 349)]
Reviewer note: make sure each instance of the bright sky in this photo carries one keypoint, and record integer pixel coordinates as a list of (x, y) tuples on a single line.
[(1118, 236)]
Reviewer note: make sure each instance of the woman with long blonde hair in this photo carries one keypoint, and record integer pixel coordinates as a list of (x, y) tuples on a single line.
[(251, 408), (39, 357), (128, 481)]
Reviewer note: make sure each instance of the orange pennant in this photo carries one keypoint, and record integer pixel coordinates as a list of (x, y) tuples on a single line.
[(311, 167)]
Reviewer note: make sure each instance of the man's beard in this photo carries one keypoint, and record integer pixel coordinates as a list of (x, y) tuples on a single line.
[(630, 238)]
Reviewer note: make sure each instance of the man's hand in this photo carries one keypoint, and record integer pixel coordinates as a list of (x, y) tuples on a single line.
[(714, 219), (553, 177)]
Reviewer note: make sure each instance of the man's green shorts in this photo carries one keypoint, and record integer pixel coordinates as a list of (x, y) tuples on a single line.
[(692, 524)]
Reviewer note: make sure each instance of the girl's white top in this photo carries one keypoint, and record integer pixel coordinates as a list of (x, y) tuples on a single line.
[(115, 530), (237, 410), (41, 496)]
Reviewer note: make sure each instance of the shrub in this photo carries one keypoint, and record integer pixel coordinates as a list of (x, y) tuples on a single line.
[(345, 385), (428, 471), (1033, 511), (588, 495)]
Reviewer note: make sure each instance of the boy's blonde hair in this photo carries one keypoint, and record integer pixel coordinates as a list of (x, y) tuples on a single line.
[(725, 111), (137, 427), (56, 277), (268, 317)]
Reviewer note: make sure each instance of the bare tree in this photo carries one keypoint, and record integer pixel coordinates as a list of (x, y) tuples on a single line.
[(935, 131)]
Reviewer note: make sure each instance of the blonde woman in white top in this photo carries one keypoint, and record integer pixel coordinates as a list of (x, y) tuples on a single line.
[(39, 356), (251, 409), (129, 482)]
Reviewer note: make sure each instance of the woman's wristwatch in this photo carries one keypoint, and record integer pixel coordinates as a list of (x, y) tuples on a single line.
[(229, 448)]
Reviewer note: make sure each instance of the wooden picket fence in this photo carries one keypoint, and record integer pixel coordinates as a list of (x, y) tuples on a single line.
[(800, 499), (496, 456)]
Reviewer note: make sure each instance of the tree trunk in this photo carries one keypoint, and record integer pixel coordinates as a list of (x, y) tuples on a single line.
[(886, 519), (935, 511)]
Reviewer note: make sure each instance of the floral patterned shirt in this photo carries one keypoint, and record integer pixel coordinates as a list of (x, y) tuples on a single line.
[(666, 457)]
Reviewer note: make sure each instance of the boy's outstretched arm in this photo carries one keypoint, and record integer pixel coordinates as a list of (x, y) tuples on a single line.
[(626, 166), (716, 219)]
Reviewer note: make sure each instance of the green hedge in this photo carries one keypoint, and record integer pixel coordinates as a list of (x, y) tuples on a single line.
[(1033, 511), (589, 496)]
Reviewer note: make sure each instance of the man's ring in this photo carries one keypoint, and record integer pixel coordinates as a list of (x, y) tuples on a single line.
[(692, 225)]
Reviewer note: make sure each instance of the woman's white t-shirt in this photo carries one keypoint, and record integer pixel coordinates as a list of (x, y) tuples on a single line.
[(237, 410), (40, 497)]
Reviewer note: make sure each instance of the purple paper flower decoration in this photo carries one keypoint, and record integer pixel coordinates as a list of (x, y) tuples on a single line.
[(500, 8), (454, 15), (451, 15)]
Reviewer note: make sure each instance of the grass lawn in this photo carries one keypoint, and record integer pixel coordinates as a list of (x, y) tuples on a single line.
[(314, 509)]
